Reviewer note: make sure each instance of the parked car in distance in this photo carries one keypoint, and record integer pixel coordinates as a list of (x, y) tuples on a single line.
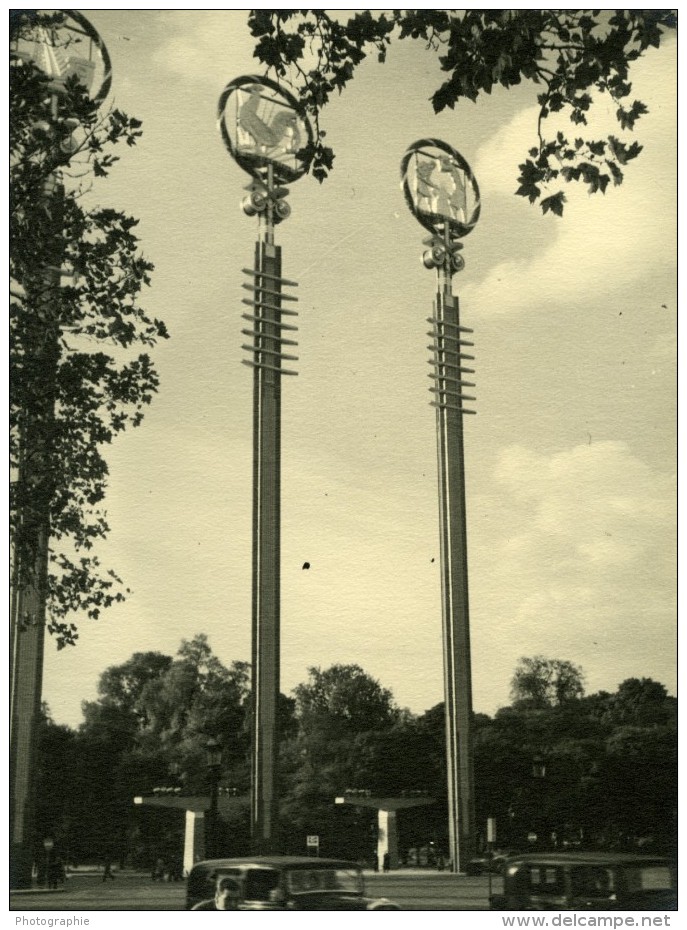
[(277, 883), (571, 881), (488, 862)]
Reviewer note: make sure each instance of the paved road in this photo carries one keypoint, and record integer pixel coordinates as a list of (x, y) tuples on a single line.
[(135, 892), (433, 891), (128, 892)]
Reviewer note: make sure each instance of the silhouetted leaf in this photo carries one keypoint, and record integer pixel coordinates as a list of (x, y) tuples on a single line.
[(554, 203)]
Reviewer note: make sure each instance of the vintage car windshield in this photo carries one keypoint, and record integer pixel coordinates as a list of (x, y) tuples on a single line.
[(300, 881), (648, 878), (593, 880), (260, 883)]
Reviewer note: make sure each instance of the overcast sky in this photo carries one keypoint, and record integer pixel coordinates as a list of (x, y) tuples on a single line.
[(570, 462)]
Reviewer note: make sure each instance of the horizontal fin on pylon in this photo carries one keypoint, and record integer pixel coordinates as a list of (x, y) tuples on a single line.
[(261, 303), (449, 337), (446, 364), (272, 277), (281, 371), (437, 322), (455, 380), (437, 348), (260, 319), (442, 391), (254, 332), (266, 290), (276, 352), (440, 406)]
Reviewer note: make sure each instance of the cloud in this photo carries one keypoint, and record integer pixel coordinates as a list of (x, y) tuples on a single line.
[(582, 567), (212, 47), (604, 242)]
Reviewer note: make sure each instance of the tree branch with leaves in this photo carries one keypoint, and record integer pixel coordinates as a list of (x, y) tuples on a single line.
[(576, 56), (75, 383)]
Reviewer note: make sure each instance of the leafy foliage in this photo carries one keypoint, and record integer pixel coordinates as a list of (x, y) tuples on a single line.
[(74, 318), (336, 711), (574, 55), (343, 700), (344, 722), (170, 708), (641, 702), (539, 682), (600, 769), (147, 729)]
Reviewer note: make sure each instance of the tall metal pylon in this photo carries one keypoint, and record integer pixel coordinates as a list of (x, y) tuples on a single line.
[(443, 195), (263, 132), (66, 48)]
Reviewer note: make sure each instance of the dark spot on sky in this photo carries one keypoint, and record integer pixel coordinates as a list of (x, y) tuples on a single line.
[(306, 565)]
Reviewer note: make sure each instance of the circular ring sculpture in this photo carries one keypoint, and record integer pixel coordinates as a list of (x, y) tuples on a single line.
[(71, 46), (440, 188), (261, 126)]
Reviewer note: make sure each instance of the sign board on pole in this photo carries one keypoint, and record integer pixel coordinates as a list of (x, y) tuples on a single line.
[(491, 829), (313, 842)]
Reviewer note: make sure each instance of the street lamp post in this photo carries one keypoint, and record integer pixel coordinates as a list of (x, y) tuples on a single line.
[(442, 194), (48, 846), (538, 768), (68, 46), (214, 762), (264, 133)]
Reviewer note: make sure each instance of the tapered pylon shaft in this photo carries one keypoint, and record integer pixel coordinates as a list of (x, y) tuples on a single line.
[(450, 373), (266, 559), (270, 334)]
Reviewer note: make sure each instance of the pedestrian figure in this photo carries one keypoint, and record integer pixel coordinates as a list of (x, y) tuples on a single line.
[(227, 897), (107, 871), (53, 871), (387, 862)]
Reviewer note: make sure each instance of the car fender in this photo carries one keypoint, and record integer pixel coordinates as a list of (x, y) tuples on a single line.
[(382, 904)]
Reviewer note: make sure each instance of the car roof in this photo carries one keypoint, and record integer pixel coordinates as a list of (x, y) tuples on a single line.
[(586, 858), (276, 862)]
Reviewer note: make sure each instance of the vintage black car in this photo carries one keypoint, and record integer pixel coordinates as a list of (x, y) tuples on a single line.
[(277, 883), (572, 881), (487, 862)]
